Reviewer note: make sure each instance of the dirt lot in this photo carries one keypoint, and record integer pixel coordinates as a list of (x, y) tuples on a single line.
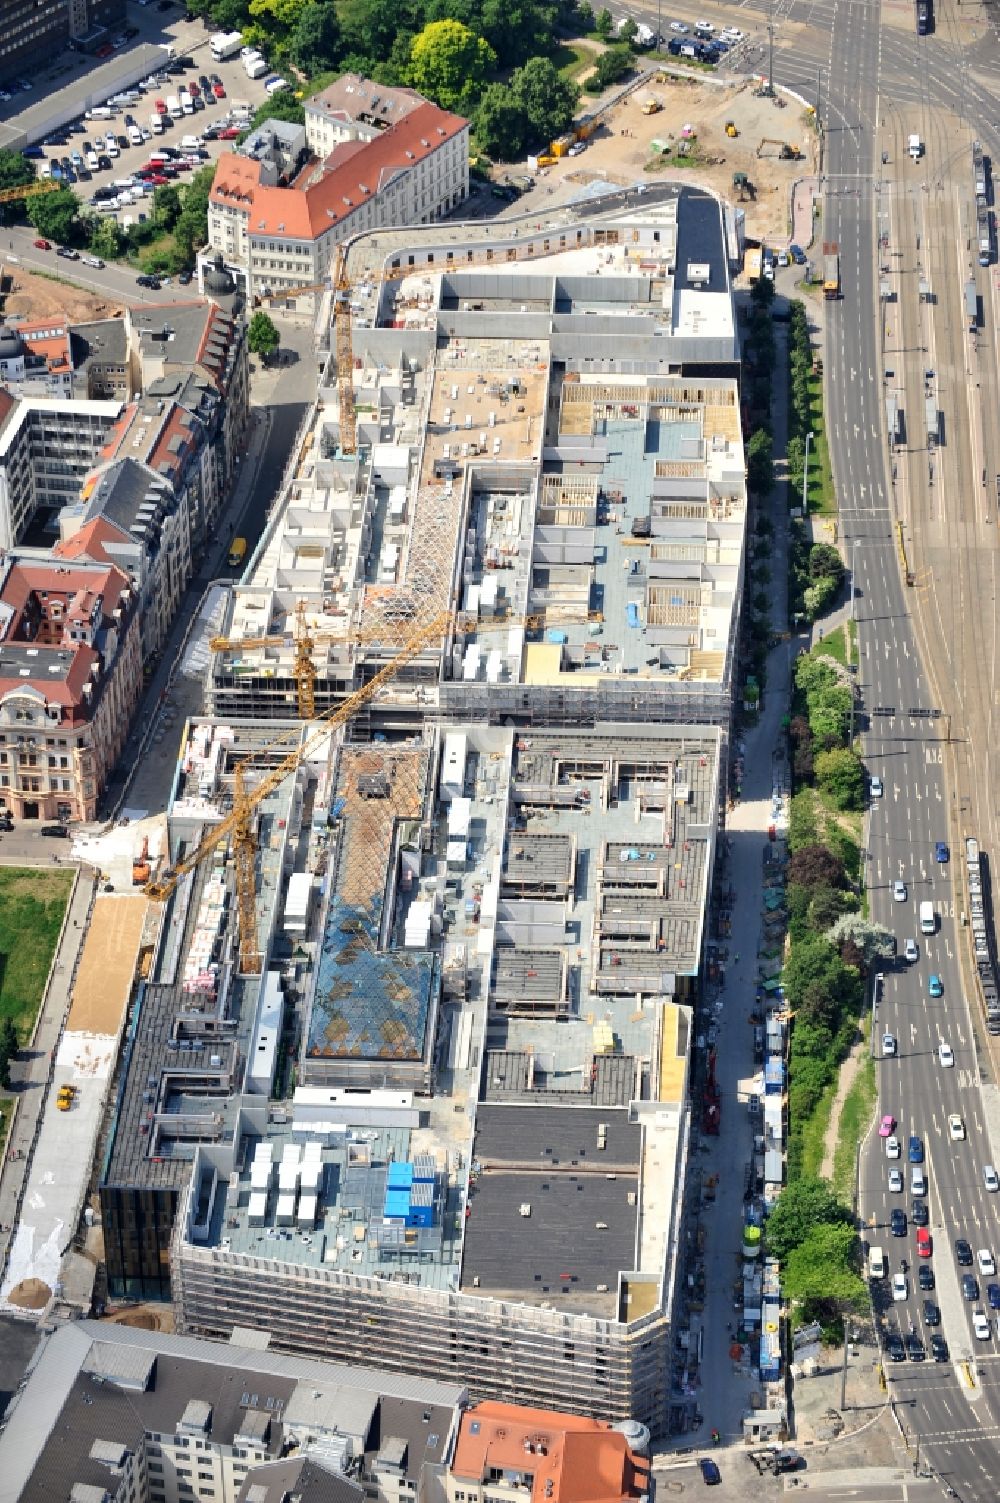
[(621, 153), (34, 296), (107, 965)]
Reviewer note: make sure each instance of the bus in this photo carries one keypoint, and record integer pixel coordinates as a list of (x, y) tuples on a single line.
[(237, 552)]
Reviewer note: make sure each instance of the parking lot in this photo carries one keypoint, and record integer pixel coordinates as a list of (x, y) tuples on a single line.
[(118, 163)]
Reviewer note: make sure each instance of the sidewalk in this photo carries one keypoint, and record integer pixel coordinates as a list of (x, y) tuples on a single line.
[(726, 1383), (33, 1067)]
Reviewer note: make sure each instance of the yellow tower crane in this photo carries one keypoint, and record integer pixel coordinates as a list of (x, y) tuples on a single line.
[(345, 354), (305, 641), (30, 190)]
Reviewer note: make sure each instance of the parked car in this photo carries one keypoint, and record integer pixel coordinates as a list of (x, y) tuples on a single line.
[(153, 283), (55, 832), (710, 1471)]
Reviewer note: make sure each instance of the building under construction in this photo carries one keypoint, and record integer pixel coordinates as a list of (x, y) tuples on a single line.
[(545, 452), (446, 1124)]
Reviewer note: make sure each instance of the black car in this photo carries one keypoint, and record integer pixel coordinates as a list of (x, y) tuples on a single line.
[(925, 1276), (184, 277), (56, 832), (897, 1223), (939, 1348), (894, 1348), (84, 174), (915, 1348), (215, 78), (66, 253), (187, 63), (100, 194), (970, 1287), (963, 1253), (130, 32), (203, 83), (6, 820), (993, 1295), (710, 1471), (919, 1214), (210, 133), (153, 283), (198, 102), (932, 1315), (129, 119), (104, 162)]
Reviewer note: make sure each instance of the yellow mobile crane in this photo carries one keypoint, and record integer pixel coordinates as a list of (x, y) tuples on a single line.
[(30, 190)]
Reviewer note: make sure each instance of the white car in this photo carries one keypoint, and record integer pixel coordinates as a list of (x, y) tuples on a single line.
[(946, 1055), (911, 951), (678, 26), (956, 1128), (900, 1286), (892, 1148), (899, 891), (732, 33), (888, 1045), (980, 1325), (895, 1181), (703, 26), (990, 1178), (984, 1259)]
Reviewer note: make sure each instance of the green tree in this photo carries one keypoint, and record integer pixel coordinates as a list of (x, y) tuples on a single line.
[(166, 207), (546, 99), (16, 171), (814, 866), (315, 42), (262, 336), (282, 105), (760, 463), (370, 27), (449, 64), (55, 215), (517, 29), (820, 1271), (871, 941), (830, 715), (841, 774), (8, 1045), (611, 66), (628, 31), (604, 23), (500, 126), (802, 1206), (278, 17), (825, 561), (191, 229), (585, 17), (104, 237)]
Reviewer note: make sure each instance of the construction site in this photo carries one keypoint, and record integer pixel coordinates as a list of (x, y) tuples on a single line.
[(408, 1071), (526, 463)]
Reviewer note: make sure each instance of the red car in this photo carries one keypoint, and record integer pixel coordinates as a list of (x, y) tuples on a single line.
[(106, 50), (229, 134), (160, 106), (41, 245), (924, 1244), (193, 89), (218, 91), (157, 180)]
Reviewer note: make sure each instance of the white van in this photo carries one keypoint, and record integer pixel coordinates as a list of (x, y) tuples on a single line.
[(876, 1263), (156, 123), (191, 143), (174, 107), (918, 1180), (135, 135), (915, 148), (187, 103), (111, 146), (928, 918), (99, 112)]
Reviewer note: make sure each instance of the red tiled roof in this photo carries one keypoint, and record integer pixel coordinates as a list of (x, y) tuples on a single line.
[(89, 542), (572, 1459), (351, 175), (49, 340)]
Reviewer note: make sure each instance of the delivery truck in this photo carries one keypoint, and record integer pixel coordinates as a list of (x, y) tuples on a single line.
[(225, 44)]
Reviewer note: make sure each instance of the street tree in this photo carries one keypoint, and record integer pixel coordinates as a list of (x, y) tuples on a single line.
[(262, 335), (55, 215), (604, 23), (16, 171), (760, 463), (803, 1205), (820, 1273), (166, 207), (871, 941), (815, 866), (841, 774)]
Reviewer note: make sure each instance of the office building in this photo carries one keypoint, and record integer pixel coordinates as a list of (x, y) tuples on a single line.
[(31, 32)]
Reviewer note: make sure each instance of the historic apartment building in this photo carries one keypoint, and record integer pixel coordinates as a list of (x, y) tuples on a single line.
[(277, 223), (70, 678)]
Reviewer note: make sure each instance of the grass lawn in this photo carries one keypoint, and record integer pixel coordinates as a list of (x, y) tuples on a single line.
[(32, 904), (6, 1117), (814, 1131), (834, 644), (855, 1115), (573, 60), (822, 497)]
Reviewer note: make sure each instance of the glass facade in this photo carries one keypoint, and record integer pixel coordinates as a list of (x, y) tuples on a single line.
[(137, 1228)]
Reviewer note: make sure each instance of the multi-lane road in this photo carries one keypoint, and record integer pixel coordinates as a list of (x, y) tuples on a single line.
[(925, 648)]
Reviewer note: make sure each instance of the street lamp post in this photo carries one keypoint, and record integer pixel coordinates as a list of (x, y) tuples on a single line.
[(805, 477)]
